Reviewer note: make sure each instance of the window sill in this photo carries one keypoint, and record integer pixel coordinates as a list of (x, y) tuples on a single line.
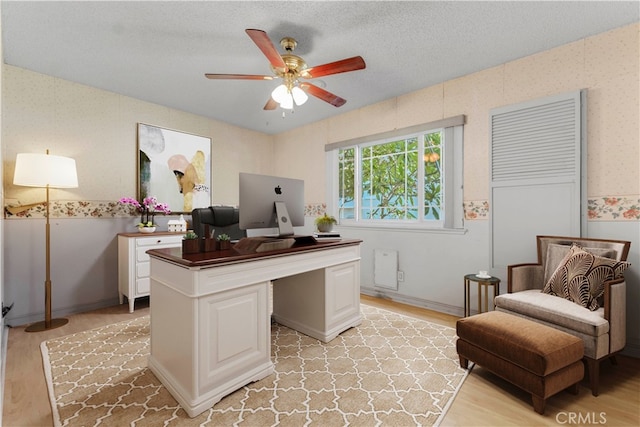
[(404, 228)]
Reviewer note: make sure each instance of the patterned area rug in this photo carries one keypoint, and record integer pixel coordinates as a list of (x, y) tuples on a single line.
[(392, 370)]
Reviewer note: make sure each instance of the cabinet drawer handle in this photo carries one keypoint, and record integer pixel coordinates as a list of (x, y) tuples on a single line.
[(159, 241)]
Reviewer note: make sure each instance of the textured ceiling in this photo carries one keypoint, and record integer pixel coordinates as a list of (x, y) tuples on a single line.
[(159, 51)]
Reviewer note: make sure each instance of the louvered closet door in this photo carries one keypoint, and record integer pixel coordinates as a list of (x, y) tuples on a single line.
[(537, 169)]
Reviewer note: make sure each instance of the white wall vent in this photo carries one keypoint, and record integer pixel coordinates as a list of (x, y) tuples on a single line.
[(537, 175), (385, 268)]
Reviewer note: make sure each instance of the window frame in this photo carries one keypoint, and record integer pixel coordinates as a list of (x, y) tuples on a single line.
[(452, 194)]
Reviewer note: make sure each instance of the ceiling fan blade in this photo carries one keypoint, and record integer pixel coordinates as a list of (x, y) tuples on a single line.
[(261, 39), (343, 66), (271, 104), (237, 77), (320, 93)]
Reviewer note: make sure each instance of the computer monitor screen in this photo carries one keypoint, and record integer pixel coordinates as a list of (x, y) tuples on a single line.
[(259, 196)]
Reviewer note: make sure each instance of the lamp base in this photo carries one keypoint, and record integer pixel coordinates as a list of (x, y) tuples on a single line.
[(42, 326)]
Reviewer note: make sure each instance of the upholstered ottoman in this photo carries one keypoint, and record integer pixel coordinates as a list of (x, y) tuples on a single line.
[(538, 359)]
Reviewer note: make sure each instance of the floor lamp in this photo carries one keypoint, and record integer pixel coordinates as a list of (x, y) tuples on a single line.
[(45, 170)]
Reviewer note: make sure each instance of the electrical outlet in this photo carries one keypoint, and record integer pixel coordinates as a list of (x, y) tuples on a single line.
[(400, 276)]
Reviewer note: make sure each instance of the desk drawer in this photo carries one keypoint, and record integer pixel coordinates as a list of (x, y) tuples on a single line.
[(143, 286), (155, 243), (143, 269), (158, 240)]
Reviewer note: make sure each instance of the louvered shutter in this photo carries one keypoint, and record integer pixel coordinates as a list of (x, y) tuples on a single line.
[(537, 163)]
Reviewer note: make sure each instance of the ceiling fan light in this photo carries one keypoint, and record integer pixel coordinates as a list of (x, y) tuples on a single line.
[(279, 94), (299, 96), (287, 102)]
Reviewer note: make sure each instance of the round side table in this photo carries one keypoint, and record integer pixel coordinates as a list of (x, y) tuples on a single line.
[(483, 283)]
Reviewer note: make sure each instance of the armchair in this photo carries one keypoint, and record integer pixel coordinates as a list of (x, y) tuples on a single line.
[(602, 330)]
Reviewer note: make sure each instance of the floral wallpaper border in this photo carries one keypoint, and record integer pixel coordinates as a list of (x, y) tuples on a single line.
[(476, 209), (603, 208), (107, 209), (614, 208)]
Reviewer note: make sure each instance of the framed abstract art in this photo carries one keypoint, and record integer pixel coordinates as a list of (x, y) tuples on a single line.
[(174, 167)]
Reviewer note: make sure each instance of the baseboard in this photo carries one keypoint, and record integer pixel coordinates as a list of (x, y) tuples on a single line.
[(36, 317), (631, 350), (418, 302)]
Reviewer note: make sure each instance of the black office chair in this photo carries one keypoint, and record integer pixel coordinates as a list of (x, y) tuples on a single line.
[(219, 219)]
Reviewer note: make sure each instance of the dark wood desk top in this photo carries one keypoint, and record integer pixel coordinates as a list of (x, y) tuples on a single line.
[(231, 256)]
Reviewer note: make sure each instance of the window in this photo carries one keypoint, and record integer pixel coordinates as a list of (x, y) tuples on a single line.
[(407, 178)]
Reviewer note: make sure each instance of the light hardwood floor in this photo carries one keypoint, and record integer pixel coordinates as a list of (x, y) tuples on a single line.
[(486, 400), (483, 400)]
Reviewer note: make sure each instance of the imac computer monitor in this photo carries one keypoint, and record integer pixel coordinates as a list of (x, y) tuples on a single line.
[(271, 201)]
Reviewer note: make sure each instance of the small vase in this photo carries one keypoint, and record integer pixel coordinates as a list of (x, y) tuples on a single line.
[(325, 228), (190, 246), (146, 230), (224, 245)]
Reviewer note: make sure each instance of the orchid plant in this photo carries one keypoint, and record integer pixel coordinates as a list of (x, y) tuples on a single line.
[(148, 209)]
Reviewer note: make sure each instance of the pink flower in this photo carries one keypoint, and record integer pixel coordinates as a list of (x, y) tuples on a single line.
[(130, 201), (632, 214), (610, 201), (149, 208), (149, 204), (163, 208)]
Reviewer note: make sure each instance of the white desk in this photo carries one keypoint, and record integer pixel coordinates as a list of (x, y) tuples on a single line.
[(210, 320)]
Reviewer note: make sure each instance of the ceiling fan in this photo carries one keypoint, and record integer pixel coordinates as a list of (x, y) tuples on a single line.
[(291, 69)]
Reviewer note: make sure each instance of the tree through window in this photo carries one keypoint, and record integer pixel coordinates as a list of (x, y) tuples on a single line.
[(390, 174), (406, 178)]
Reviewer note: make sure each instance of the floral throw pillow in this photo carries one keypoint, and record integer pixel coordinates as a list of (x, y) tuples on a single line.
[(580, 277)]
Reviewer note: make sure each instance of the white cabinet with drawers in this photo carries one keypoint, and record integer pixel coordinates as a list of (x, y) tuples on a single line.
[(133, 262)]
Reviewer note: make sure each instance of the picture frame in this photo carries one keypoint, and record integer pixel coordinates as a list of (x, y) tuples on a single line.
[(174, 167)]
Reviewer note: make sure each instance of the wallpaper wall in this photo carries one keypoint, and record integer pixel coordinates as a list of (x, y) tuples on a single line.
[(97, 128), (607, 65)]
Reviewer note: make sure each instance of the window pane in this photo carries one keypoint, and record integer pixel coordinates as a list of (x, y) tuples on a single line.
[(346, 190), (389, 180), (432, 176)]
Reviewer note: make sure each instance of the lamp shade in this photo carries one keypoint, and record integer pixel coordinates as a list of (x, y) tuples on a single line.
[(279, 93), (42, 170), (299, 96)]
